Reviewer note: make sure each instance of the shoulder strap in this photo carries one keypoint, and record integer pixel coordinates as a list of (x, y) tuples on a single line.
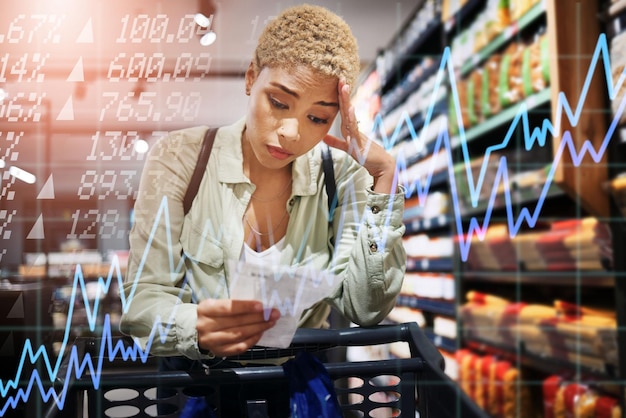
[(203, 158), (329, 181), (198, 171)]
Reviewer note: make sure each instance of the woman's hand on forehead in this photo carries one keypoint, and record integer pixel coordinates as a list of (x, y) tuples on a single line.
[(371, 155)]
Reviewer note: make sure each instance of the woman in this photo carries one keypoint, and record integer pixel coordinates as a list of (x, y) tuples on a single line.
[(263, 195)]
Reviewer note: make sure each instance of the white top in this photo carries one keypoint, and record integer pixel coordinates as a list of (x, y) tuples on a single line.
[(270, 256)]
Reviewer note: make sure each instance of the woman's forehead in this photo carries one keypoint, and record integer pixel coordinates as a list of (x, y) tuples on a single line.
[(301, 79)]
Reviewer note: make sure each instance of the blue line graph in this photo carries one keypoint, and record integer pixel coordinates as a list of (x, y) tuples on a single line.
[(532, 137)]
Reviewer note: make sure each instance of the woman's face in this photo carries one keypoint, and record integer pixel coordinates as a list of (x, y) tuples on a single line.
[(289, 112)]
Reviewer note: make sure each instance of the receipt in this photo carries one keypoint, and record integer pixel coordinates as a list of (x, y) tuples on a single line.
[(291, 290)]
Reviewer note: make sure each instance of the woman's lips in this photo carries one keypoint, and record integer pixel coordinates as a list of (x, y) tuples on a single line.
[(278, 153)]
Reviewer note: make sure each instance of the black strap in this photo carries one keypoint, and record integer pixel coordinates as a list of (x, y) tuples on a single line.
[(198, 172), (329, 181), (203, 159)]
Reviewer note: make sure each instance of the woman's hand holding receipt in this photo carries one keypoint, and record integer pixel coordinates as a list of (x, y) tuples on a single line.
[(227, 327)]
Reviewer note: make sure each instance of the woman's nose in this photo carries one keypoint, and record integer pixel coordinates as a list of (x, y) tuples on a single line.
[(288, 129)]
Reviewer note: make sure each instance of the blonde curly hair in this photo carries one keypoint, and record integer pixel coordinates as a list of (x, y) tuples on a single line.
[(313, 36)]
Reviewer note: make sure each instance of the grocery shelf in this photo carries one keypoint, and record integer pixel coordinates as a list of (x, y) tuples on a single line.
[(408, 87), (427, 33), (468, 8), (554, 278), (427, 224), (545, 364), (442, 307), (444, 264), (503, 38), (507, 115), (521, 196), (445, 343)]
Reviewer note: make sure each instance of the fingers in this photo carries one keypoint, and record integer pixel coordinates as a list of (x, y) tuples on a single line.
[(225, 313), (234, 341), (228, 327), (335, 142), (349, 125), (229, 307)]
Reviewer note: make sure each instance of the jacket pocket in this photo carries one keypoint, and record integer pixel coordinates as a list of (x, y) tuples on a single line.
[(204, 249)]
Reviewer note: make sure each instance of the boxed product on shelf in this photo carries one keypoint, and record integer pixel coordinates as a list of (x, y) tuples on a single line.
[(425, 246), (579, 335), (450, 7), (459, 49), (536, 65), (549, 388), (428, 285), (510, 87), (496, 18), (451, 367), (434, 206), (462, 88), (466, 359), (416, 176), (474, 83), (618, 63), (570, 245), (496, 385), (413, 148), (517, 8), (567, 399), (618, 190), (445, 327), (488, 318), (499, 243), (467, 183), (403, 314), (490, 105)]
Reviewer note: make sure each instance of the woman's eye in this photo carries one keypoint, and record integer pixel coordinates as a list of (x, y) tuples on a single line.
[(318, 121), (277, 104)]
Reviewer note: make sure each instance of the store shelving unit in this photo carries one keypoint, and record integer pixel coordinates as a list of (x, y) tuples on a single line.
[(412, 60), (565, 188), (616, 36)]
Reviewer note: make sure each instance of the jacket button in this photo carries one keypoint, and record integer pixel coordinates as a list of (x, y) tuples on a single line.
[(373, 247), (375, 209)]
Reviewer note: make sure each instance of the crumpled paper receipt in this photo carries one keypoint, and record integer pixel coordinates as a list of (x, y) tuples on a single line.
[(291, 290)]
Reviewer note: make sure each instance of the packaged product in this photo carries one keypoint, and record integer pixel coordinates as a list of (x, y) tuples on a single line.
[(517, 8), (474, 87), (536, 66), (607, 407), (462, 89), (489, 99), (504, 14), (467, 370), (484, 376), (550, 387), (618, 69), (510, 78)]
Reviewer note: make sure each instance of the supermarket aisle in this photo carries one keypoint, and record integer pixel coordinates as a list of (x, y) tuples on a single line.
[(513, 246)]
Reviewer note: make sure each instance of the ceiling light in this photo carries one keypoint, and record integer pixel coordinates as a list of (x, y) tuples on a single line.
[(208, 38), (141, 146), (202, 20), (23, 175), (205, 22)]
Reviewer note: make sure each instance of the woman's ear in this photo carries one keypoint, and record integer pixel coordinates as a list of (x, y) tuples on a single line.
[(251, 74)]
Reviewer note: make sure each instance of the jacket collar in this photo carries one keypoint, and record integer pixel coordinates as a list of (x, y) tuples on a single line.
[(306, 168)]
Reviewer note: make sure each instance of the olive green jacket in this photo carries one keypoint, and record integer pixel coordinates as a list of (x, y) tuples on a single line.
[(177, 260)]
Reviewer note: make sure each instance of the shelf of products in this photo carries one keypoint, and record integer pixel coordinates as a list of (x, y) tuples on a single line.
[(500, 196)]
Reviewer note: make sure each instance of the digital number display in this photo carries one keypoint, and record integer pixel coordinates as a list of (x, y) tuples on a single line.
[(85, 94)]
